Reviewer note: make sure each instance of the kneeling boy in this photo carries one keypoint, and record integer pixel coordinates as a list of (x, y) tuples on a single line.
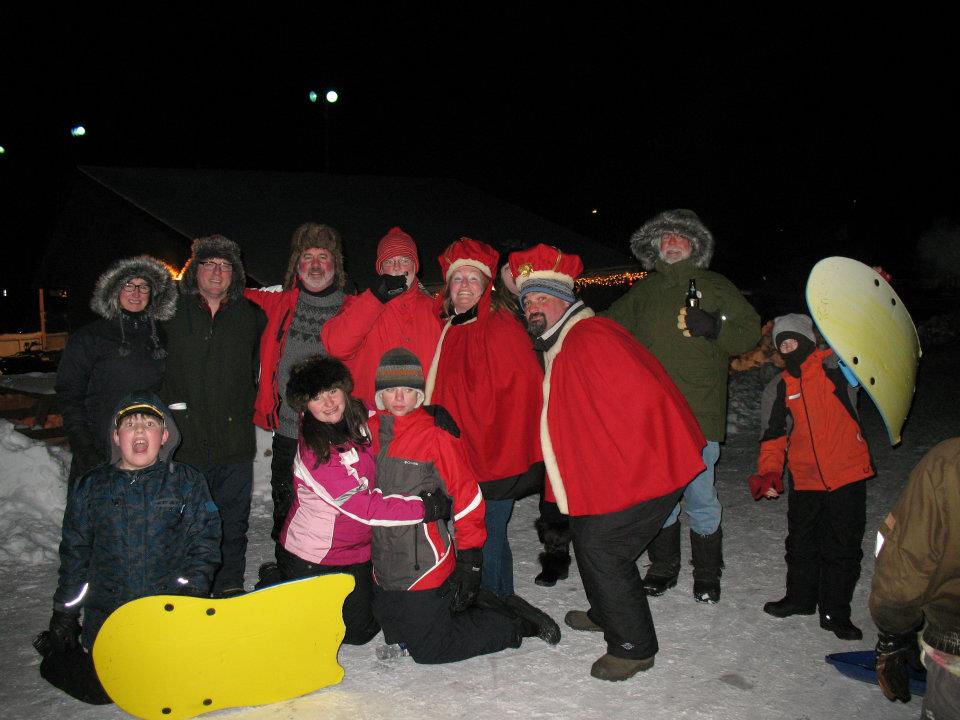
[(427, 594), (140, 525)]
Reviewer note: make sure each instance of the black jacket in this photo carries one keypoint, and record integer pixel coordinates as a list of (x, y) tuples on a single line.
[(111, 357), (212, 366)]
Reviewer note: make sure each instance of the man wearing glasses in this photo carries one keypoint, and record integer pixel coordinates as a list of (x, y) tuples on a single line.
[(210, 385)]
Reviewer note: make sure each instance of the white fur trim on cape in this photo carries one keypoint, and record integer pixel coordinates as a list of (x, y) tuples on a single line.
[(432, 375), (549, 456)]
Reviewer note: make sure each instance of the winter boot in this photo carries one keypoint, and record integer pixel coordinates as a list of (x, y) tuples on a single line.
[(664, 554), (269, 574), (610, 667), (707, 557), (555, 561), (535, 622), (841, 627), (581, 620), (785, 607)]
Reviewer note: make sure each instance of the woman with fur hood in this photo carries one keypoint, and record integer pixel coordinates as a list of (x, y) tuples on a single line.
[(118, 354)]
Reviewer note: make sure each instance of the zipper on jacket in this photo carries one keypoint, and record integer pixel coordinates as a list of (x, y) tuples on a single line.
[(416, 555), (813, 445)]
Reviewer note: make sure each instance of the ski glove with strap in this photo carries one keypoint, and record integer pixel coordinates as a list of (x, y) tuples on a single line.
[(464, 582), (894, 653), (388, 287), (436, 505)]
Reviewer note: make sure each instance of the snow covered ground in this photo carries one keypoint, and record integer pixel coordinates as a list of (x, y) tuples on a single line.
[(726, 662)]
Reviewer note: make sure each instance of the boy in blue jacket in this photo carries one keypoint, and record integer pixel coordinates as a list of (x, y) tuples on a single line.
[(139, 525)]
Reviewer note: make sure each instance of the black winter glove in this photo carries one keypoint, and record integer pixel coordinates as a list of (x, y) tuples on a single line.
[(443, 419), (700, 323), (894, 653), (64, 631), (464, 581), (388, 287), (436, 505)]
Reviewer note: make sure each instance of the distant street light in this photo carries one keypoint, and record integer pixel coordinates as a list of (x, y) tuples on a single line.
[(3, 150), (78, 131), (331, 97)]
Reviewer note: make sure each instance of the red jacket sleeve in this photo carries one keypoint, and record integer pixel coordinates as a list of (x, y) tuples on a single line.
[(344, 334), (461, 485)]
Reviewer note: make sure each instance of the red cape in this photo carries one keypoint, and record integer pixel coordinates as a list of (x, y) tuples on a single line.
[(489, 379), (617, 431)]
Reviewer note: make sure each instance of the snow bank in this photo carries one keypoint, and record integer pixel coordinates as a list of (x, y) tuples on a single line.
[(33, 491)]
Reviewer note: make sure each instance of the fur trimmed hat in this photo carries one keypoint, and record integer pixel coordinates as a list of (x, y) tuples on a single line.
[(105, 300), (467, 251), (546, 269), (397, 243), (645, 242), (314, 375), (311, 235), (399, 368), (214, 246)]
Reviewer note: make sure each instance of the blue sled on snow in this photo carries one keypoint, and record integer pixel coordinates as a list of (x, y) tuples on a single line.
[(862, 665)]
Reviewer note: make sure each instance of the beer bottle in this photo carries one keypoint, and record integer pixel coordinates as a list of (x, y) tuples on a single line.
[(693, 297)]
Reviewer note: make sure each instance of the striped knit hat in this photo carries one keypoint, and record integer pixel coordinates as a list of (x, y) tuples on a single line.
[(399, 368), (397, 243)]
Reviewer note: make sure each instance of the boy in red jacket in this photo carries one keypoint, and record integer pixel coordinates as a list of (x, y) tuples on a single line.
[(427, 595), (808, 416)]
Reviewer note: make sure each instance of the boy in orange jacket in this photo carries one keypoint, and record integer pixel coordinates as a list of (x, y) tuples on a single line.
[(809, 418)]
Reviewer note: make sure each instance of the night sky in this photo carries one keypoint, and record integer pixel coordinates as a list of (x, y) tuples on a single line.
[(795, 135)]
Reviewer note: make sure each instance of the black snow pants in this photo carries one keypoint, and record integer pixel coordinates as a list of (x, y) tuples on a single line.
[(607, 547), (825, 546), (357, 608), (231, 486), (421, 620), (72, 672)]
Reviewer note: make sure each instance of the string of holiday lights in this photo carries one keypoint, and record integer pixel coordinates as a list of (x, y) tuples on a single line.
[(628, 277)]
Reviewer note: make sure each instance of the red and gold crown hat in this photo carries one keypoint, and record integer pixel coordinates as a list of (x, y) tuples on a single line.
[(467, 251), (544, 268)]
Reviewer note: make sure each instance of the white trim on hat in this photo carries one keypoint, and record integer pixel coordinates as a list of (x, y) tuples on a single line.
[(460, 262), (521, 280)]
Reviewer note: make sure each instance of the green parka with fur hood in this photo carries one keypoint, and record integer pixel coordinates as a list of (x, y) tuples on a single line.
[(698, 365)]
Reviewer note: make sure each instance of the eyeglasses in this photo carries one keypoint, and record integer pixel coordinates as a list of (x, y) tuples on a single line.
[(211, 265), (141, 288)]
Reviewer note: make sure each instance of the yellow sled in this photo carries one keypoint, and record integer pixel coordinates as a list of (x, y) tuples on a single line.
[(173, 657), (866, 323)]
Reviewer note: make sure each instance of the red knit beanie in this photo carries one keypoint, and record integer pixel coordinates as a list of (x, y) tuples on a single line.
[(397, 243)]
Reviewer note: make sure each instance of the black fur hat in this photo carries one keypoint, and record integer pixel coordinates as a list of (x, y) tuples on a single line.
[(312, 376), (214, 246), (645, 242)]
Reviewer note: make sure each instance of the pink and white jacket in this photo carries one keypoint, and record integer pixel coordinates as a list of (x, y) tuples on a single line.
[(336, 504)]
